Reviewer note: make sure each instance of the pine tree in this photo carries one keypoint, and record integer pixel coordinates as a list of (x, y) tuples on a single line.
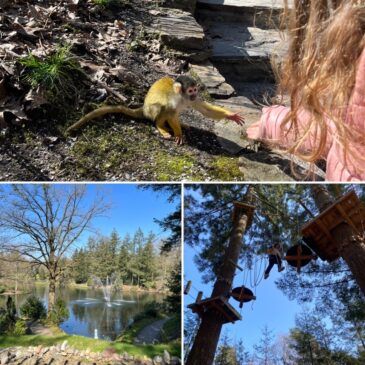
[(80, 266), (173, 299), (226, 353), (147, 262), (265, 349), (124, 259)]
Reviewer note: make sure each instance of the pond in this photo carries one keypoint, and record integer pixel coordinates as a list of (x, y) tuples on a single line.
[(90, 313)]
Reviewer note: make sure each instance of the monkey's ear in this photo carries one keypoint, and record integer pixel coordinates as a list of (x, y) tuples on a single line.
[(177, 87)]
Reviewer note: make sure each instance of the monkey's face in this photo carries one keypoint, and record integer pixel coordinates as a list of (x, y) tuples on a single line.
[(189, 88), (192, 92)]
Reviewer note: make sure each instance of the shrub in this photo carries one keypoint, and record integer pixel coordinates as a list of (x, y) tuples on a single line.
[(7, 317), (20, 328), (6, 324), (59, 313), (33, 308)]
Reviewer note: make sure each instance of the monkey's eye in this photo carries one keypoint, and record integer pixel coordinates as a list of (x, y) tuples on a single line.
[(192, 90)]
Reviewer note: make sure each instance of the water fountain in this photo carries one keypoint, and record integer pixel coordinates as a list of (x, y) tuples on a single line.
[(107, 288)]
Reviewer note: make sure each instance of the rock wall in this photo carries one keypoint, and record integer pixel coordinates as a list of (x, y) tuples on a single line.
[(66, 355)]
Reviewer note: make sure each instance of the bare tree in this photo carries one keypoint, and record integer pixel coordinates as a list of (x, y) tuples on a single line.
[(42, 222)]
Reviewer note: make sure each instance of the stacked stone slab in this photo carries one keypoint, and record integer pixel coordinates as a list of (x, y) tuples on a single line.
[(243, 36)]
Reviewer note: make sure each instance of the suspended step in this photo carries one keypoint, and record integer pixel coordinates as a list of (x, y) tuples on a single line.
[(218, 305), (299, 256), (242, 295), (188, 287), (240, 207), (317, 233)]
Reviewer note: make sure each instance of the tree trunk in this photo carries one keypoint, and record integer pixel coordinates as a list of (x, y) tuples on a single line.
[(351, 249), (207, 337), (51, 294)]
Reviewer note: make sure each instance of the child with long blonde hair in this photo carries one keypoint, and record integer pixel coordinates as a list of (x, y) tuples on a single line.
[(324, 75)]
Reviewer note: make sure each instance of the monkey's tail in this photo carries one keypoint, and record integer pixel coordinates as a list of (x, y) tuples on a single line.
[(134, 113)]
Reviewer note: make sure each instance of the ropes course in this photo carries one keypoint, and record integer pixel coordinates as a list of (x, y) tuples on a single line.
[(314, 239)]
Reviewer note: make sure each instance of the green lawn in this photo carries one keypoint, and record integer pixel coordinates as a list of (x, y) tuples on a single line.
[(83, 343)]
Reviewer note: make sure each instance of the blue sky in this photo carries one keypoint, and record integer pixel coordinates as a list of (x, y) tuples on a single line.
[(131, 208)]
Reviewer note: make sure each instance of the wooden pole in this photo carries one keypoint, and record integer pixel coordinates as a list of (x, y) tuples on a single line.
[(207, 337)]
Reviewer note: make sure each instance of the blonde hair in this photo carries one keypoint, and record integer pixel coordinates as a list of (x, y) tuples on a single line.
[(326, 41)]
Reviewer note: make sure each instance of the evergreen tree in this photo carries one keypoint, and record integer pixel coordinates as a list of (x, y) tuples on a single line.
[(114, 246), (147, 262), (226, 353), (265, 349), (80, 266), (173, 299), (136, 268), (124, 259)]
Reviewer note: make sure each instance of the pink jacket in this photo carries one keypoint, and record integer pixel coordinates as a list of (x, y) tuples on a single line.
[(338, 168)]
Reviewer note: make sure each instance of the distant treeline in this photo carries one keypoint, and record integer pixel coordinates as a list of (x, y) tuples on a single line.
[(132, 260)]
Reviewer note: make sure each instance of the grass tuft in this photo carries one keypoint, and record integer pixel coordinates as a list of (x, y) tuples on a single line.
[(55, 73)]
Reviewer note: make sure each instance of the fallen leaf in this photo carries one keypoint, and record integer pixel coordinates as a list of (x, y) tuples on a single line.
[(3, 90), (36, 97)]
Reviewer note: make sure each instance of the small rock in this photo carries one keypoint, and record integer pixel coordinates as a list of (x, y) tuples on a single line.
[(175, 361), (166, 357), (157, 360), (38, 350), (64, 345), (4, 358)]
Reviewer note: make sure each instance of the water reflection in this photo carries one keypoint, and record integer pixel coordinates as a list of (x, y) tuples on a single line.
[(89, 311)]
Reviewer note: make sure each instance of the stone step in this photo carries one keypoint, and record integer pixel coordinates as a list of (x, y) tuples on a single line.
[(179, 30), (244, 51), (258, 13)]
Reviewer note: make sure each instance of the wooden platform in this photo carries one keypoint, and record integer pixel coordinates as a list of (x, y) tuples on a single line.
[(219, 305), (246, 208), (317, 233)]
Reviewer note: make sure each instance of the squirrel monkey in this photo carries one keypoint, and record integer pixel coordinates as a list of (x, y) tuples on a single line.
[(164, 101)]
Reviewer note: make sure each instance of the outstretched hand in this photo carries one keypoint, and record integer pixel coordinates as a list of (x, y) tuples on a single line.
[(236, 118)]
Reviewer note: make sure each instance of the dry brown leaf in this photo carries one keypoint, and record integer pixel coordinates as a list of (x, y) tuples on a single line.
[(36, 97), (14, 115), (10, 69), (4, 92)]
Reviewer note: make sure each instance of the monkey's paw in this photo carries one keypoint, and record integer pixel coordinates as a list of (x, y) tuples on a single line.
[(179, 140), (237, 118)]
